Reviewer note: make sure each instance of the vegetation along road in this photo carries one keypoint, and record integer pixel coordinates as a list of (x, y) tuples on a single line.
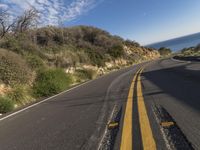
[(133, 108)]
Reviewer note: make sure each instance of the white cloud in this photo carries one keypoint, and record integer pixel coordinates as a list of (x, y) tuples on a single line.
[(78, 7), (4, 6), (52, 12)]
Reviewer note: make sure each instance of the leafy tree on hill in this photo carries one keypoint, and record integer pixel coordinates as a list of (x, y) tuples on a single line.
[(197, 48), (164, 51), (116, 51)]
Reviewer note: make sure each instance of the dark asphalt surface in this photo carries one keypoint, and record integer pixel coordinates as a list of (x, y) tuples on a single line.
[(77, 118), (73, 120), (176, 87)]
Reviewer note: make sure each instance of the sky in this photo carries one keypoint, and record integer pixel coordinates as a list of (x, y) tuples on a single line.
[(144, 21)]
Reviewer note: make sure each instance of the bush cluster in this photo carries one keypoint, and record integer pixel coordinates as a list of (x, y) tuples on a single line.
[(6, 105), (164, 51), (116, 51), (96, 58), (50, 82), (18, 94)]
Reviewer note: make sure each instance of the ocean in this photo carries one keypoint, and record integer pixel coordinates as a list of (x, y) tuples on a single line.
[(178, 43)]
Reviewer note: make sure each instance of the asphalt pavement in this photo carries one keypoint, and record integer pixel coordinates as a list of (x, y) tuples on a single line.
[(78, 119)]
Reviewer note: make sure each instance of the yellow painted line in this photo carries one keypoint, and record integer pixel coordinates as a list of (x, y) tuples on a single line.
[(146, 132), (126, 141)]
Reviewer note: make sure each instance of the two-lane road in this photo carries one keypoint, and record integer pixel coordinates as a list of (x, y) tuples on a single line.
[(77, 119)]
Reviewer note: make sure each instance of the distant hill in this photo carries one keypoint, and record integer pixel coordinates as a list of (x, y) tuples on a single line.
[(178, 43)]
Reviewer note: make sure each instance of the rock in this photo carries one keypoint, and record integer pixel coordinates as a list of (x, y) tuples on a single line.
[(70, 70)]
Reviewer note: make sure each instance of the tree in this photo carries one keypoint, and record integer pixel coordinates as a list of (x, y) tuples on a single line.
[(164, 51), (116, 51), (131, 43), (197, 48), (27, 20), (5, 24)]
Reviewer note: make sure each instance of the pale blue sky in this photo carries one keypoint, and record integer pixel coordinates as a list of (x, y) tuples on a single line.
[(145, 21)]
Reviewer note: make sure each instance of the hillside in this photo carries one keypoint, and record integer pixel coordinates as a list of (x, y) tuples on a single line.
[(32, 61)]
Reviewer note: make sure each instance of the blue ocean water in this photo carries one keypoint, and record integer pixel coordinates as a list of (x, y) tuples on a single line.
[(178, 43)]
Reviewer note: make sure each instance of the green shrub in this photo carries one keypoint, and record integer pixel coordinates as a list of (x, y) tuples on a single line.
[(18, 94), (96, 58), (51, 82), (197, 48), (6, 105), (164, 51), (116, 51), (13, 69)]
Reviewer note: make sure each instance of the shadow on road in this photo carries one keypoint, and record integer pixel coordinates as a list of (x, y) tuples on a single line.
[(178, 82)]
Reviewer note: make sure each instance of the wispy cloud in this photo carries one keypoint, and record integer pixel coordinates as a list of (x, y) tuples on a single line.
[(52, 12), (4, 6)]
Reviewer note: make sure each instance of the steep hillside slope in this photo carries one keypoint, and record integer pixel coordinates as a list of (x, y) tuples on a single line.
[(33, 60)]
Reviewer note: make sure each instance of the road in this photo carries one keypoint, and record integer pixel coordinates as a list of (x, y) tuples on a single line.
[(79, 118)]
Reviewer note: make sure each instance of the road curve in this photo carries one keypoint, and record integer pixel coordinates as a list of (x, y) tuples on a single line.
[(73, 120), (77, 119)]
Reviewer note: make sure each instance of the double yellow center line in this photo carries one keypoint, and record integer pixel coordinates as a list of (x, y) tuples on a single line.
[(145, 128)]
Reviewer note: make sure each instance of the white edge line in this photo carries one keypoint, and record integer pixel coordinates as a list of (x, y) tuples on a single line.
[(33, 105), (181, 61), (37, 103)]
